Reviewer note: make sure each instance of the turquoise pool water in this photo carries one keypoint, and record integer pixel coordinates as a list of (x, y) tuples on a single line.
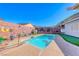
[(41, 41)]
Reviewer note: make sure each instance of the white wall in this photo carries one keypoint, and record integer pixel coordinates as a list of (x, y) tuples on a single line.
[(72, 28)]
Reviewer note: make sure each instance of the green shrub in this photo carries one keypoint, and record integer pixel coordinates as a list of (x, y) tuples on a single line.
[(2, 40), (71, 39)]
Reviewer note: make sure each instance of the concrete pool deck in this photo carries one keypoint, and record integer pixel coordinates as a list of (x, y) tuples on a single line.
[(52, 50), (14, 43), (67, 48), (28, 50)]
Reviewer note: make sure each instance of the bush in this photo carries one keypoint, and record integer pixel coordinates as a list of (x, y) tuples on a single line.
[(2, 40)]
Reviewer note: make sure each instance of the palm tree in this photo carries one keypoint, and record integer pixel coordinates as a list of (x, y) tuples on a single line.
[(75, 7)]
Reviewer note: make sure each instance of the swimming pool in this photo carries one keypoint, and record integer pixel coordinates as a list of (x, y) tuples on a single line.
[(41, 41)]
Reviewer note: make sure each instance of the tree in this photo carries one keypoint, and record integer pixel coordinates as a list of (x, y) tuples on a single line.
[(75, 7), (34, 32)]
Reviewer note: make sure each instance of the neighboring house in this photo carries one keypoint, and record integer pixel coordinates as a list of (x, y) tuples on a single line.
[(70, 25), (6, 28), (27, 28)]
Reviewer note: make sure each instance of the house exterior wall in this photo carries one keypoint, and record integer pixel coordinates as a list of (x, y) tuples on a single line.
[(72, 28)]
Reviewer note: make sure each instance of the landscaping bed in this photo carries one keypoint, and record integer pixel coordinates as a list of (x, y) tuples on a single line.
[(71, 39)]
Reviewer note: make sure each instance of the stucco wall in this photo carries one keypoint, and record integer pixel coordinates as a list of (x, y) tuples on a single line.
[(67, 48)]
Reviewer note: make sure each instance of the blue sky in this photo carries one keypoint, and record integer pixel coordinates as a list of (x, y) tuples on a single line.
[(40, 14)]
